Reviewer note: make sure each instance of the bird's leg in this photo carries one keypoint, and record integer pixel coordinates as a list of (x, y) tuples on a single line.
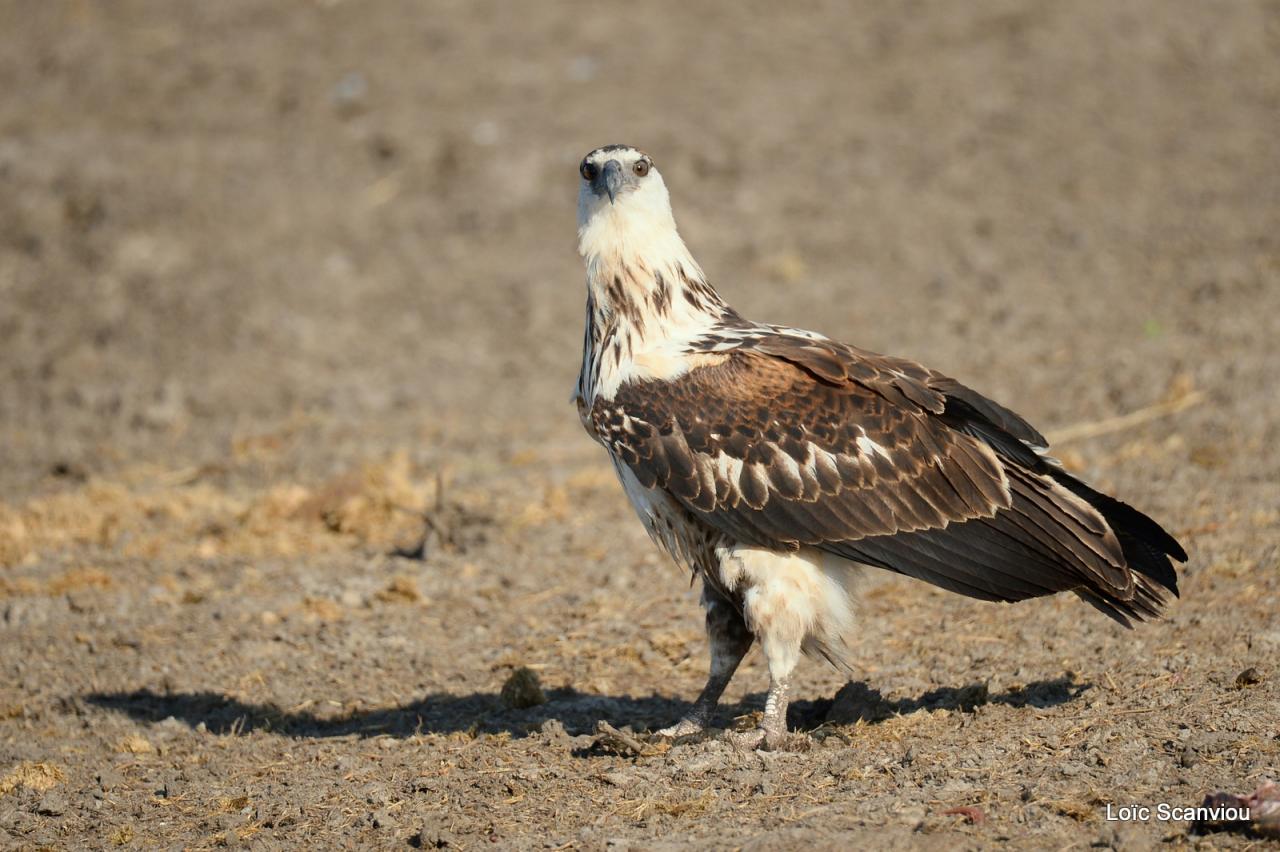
[(781, 630), (730, 640), (774, 723), (772, 731)]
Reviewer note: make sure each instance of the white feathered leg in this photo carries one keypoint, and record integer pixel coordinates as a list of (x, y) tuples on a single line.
[(729, 640), (789, 601), (781, 646)]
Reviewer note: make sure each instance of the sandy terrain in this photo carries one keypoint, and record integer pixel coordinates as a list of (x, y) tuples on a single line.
[(290, 486)]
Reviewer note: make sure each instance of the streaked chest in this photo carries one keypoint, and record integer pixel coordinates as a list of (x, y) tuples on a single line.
[(689, 541)]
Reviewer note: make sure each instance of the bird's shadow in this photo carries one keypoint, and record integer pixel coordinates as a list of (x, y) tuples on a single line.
[(577, 712)]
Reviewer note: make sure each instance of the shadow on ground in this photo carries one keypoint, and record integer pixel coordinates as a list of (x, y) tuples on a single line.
[(578, 712)]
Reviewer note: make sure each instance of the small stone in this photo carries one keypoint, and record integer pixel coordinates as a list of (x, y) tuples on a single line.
[(1249, 677), (52, 804), (553, 729)]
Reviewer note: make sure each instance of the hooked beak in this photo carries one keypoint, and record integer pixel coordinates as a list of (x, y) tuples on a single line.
[(611, 177)]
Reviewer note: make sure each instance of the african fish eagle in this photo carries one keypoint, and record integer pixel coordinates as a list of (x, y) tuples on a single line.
[(775, 462)]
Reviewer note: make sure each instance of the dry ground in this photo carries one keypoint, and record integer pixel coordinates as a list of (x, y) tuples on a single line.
[(279, 280)]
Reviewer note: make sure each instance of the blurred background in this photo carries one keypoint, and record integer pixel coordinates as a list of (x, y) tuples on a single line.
[(290, 312), (355, 221)]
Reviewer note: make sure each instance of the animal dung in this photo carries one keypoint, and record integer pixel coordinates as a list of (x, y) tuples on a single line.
[(522, 690)]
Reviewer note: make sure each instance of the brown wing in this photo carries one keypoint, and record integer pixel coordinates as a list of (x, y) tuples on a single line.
[(792, 441), (763, 439)]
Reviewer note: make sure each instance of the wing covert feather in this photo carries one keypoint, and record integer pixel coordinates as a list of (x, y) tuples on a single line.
[(755, 434)]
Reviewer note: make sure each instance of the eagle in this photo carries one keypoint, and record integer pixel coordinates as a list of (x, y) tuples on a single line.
[(776, 463)]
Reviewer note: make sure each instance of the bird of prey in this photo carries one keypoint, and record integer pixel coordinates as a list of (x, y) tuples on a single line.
[(774, 463)]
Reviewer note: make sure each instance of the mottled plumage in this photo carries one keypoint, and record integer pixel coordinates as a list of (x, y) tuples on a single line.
[(774, 461)]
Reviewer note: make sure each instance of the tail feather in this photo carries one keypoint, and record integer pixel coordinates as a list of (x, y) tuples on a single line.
[(1146, 545)]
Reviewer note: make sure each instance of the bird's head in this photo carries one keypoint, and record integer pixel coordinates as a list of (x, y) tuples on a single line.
[(621, 192), (633, 251)]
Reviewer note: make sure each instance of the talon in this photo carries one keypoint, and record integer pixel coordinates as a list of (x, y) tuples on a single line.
[(747, 740), (683, 728), (775, 740)]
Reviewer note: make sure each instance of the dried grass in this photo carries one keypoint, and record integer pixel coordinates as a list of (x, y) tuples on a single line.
[(380, 505), (32, 776), (134, 744), (401, 589)]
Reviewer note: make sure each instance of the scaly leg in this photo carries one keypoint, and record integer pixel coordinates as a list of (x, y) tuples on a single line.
[(772, 731), (730, 640)]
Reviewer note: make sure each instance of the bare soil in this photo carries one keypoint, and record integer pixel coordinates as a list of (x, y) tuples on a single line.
[(289, 316)]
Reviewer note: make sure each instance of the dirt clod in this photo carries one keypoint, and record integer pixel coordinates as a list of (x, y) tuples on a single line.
[(1249, 677), (52, 804), (523, 689)]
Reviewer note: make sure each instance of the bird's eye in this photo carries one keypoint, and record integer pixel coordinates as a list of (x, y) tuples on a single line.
[(641, 168), (589, 171)]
